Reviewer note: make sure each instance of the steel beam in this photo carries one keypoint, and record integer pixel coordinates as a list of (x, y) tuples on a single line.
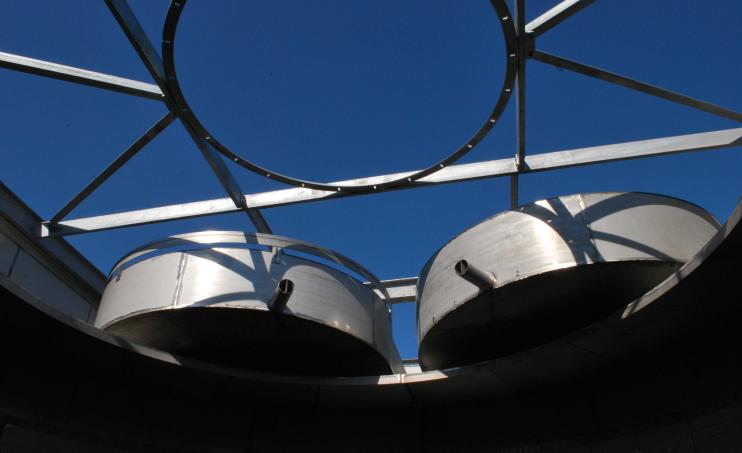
[(186, 114), (400, 290), (140, 217), (139, 40), (114, 166), (81, 76), (256, 217), (230, 185), (455, 173), (19, 225), (520, 90), (520, 87), (151, 59), (225, 177), (556, 15), (636, 85), (514, 189)]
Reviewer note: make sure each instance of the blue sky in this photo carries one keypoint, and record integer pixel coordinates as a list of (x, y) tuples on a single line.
[(329, 90)]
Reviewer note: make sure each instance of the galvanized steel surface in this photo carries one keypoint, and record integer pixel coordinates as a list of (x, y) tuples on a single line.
[(499, 406), (562, 233), (520, 46), (448, 175), (217, 270), (683, 300)]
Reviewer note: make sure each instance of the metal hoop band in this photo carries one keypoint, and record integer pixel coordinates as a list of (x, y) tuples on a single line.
[(184, 111)]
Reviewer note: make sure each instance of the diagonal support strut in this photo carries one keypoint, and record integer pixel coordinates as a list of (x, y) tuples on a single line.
[(119, 162), (636, 85), (151, 59), (230, 185)]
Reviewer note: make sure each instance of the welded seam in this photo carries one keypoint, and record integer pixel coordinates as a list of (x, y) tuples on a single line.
[(179, 278)]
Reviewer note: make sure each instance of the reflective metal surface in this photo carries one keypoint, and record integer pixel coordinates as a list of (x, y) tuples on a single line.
[(449, 175), (521, 45), (671, 355), (213, 296), (558, 265)]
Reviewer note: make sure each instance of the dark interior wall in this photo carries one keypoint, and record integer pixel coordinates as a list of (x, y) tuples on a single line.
[(665, 378), (62, 390)]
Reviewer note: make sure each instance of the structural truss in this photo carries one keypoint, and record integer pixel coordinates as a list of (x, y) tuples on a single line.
[(521, 40)]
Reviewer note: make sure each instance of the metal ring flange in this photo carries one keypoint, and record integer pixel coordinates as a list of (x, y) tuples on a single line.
[(184, 111), (215, 238)]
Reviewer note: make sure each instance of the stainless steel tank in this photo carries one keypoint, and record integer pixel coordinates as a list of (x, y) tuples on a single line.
[(527, 276), (253, 301)]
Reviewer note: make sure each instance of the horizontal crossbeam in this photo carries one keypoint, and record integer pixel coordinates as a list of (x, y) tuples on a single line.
[(454, 173)]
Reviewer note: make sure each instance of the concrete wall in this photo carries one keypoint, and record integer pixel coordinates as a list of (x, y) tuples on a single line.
[(49, 269)]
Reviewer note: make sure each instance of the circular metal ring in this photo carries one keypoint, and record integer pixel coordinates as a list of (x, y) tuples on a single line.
[(239, 237), (183, 110)]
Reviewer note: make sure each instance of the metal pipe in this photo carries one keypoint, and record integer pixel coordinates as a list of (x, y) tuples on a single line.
[(472, 274), (281, 296)]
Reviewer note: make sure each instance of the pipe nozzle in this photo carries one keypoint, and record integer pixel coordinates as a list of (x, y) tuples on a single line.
[(281, 295), (472, 274)]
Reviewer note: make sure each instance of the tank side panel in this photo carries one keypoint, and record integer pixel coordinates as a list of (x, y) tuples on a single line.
[(512, 245), (563, 232), (227, 277), (647, 226), (329, 296), (241, 278), (148, 285)]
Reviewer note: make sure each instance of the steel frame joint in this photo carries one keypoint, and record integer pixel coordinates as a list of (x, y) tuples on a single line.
[(526, 45)]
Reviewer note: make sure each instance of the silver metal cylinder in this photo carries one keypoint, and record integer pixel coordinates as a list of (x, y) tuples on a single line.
[(252, 301), (560, 264)]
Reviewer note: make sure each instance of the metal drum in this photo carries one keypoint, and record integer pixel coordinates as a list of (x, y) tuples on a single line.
[(252, 301), (530, 275)]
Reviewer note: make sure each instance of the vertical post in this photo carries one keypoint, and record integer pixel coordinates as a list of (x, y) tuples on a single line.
[(513, 191), (520, 90)]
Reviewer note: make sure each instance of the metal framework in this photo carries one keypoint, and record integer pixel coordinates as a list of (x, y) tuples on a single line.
[(189, 117), (520, 44)]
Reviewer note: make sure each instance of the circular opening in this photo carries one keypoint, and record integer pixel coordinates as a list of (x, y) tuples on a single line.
[(286, 286), (461, 267), (334, 90)]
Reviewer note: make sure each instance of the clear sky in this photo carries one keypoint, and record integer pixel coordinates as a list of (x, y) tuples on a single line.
[(329, 90)]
